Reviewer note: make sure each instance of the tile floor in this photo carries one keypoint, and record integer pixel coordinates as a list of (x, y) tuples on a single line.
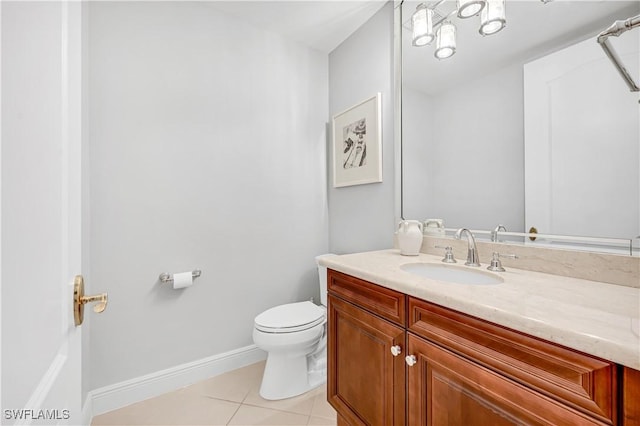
[(229, 399)]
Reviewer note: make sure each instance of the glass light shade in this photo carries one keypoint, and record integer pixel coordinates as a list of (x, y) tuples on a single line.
[(445, 41), (422, 22), (492, 17), (469, 8)]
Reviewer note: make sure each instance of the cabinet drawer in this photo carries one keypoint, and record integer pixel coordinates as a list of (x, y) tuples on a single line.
[(388, 304), (580, 381), (448, 389)]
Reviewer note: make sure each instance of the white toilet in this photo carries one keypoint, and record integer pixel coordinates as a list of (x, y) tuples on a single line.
[(294, 336)]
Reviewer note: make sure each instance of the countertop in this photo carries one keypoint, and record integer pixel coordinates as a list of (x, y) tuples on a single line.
[(593, 317)]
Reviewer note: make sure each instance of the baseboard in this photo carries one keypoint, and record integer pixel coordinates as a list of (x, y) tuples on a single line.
[(121, 394)]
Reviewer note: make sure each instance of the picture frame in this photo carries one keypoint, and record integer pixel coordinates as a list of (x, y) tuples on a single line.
[(357, 144)]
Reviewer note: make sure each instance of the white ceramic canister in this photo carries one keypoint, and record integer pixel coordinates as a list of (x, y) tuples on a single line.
[(409, 237), (434, 227)]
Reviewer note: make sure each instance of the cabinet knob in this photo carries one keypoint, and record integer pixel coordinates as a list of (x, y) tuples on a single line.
[(410, 360), (396, 350)]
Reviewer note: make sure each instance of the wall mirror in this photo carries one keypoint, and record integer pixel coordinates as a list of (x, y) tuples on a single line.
[(529, 127)]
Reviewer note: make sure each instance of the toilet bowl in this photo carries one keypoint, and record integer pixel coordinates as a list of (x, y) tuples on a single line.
[(294, 337)]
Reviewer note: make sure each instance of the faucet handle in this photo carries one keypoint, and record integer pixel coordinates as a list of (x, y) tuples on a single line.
[(448, 256), (496, 265)]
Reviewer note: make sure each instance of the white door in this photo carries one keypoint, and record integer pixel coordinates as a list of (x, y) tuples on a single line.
[(40, 229), (582, 169)]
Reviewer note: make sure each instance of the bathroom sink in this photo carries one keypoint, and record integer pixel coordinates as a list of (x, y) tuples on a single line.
[(452, 274)]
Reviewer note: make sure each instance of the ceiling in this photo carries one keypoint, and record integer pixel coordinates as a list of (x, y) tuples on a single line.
[(320, 24), (533, 29)]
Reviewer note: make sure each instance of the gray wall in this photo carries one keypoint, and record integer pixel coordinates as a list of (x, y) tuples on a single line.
[(473, 172), (417, 163), (361, 217), (207, 151)]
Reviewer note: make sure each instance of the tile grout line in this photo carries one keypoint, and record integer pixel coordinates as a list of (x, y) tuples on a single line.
[(240, 404), (275, 409), (314, 398), (234, 414)]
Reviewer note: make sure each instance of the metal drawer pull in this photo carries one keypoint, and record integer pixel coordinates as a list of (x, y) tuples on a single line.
[(410, 360)]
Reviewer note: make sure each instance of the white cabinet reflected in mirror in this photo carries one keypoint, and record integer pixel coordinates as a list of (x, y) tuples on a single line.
[(529, 127)]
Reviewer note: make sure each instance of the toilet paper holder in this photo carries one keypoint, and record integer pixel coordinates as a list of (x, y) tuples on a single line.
[(168, 278)]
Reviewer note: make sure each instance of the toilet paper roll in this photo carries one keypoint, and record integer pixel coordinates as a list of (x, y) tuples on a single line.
[(182, 280)]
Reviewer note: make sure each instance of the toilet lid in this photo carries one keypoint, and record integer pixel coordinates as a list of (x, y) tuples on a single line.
[(290, 317)]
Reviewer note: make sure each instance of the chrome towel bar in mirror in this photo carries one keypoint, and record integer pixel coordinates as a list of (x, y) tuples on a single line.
[(617, 28)]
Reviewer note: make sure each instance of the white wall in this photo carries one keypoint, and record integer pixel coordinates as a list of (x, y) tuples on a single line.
[(473, 165), (362, 216), (207, 151)]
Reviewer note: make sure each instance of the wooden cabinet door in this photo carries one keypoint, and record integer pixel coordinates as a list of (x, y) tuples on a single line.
[(448, 389), (630, 397), (366, 383)]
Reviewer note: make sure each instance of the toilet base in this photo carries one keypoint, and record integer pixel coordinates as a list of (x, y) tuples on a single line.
[(288, 376)]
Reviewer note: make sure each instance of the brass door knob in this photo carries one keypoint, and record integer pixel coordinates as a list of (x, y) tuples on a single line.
[(79, 300)]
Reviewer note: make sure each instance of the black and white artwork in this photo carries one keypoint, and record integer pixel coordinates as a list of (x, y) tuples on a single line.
[(355, 144), (357, 148)]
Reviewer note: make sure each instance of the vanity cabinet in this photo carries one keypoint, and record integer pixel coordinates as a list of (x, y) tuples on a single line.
[(366, 384), (394, 359)]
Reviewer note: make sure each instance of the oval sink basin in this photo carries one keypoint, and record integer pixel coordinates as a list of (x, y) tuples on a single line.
[(452, 274)]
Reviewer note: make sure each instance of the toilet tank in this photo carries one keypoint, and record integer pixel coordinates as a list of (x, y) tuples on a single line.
[(322, 276)]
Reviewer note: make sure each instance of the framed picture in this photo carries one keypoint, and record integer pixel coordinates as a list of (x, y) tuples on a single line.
[(357, 146)]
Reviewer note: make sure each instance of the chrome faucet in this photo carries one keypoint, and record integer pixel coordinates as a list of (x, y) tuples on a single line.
[(472, 253), (494, 233)]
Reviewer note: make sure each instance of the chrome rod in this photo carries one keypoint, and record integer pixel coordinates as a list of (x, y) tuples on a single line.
[(167, 278), (617, 28), (593, 240)]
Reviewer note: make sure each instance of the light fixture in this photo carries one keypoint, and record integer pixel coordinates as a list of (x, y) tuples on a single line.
[(430, 21), (445, 40), (492, 17), (422, 21), (469, 8)]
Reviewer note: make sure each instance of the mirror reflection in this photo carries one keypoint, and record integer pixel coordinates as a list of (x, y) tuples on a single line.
[(531, 126)]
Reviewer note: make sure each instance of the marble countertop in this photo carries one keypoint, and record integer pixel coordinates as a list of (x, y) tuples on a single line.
[(596, 318)]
